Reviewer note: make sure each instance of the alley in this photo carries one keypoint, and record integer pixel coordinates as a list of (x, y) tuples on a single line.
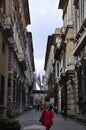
[(32, 118)]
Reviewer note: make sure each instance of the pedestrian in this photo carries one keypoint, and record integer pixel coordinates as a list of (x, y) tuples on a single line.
[(38, 107), (55, 109), (65, 112), (48, 116)]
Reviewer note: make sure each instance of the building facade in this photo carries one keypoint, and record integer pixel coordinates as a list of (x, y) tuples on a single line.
[(48, 67), (57, 67), (69, 59), (68, 92), (80, 53), (4, 52), (15, 19), (29, 73)]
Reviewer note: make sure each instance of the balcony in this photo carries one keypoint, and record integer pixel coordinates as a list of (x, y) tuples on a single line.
[(78, 65), (62, 71), (80, 39), (22, 61), (57, 80), (7, 25), (63, 33), (20, 56), (81, 62), (70, 69), (57, 50)]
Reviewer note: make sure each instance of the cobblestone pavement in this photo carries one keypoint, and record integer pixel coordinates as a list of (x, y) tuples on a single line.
[(32, 118)]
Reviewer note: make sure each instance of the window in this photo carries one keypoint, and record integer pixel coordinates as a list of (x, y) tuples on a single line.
[(3, 47), (64, 58), (2, 83), (81, 11), (57, 69), (4, 6), (84, 9)]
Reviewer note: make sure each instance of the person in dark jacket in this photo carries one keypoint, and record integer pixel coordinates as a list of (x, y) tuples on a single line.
[(65, 112)]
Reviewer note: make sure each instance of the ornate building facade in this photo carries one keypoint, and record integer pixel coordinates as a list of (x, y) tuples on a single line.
[(4, 52), (67, 63), (48, 67), (15, 19), (57, 66), (80, 53)]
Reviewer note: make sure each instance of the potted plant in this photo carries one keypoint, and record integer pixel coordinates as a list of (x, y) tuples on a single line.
[(8, 123)]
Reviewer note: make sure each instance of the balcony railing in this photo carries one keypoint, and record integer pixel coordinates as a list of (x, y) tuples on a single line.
[(62, 71), (57, 50), (80, 38), (22, 61), (7, 25), (70, 67)]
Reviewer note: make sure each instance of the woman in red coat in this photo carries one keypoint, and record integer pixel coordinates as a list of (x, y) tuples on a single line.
[(48, 117)]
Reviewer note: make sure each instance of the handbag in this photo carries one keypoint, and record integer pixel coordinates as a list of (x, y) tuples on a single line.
[(41, 118)]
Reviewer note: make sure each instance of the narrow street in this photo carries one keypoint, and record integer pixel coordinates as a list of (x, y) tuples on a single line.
[(32, 118)]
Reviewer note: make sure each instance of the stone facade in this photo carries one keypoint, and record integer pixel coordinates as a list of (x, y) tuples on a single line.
[(48, 67), (57, 66), (70, 58), (4, 52), (15, 19), (80, 53), (67, 59)]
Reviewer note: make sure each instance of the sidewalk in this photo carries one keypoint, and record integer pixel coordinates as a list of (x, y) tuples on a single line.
[(80, 119)]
